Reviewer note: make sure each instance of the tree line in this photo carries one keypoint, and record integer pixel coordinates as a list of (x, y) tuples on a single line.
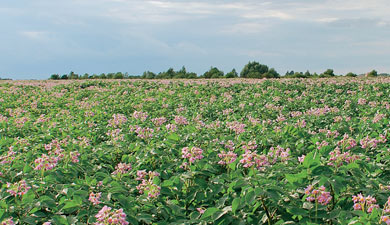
[(251, 70)]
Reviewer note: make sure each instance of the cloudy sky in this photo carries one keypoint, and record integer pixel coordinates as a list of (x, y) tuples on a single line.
[(42, 37)]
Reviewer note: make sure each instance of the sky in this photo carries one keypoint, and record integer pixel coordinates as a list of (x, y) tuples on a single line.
[(42, 37)]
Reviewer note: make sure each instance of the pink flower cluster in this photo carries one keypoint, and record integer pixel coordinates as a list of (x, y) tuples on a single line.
[(147, 186), (117, 120), (386, 209), (261, 161), (46, 162), (372, 142), (116, 135), (236, 126), (159, 121), (337, 158), (3, 118), (144, 133), (278, 153), (347, 142), (107, 216), (364, 203), (19, 188), (95, 198), (322, 144), (251, 145), (192, 154), (8, 221), (7, 159), (171, 127), (227, 157), (122, 168), (140, 115), (181, 120), (318, 195), (74, 156), (253, 159)]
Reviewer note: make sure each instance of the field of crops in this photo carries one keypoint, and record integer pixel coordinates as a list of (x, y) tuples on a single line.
[(288, 151)]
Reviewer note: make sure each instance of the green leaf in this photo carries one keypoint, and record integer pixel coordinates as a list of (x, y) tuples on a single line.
[(71, 204), (173, 137), (311, 159), (209, 212), (292, 178), (297, 211), (250, 197), (60, 220), (235, 204)]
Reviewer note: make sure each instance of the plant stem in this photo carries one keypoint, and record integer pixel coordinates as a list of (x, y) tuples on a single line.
[(266, 211)]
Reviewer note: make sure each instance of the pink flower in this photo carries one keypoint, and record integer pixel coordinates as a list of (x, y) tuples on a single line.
[(140, 115), (192, 154), (362, 203), (45, 162), (117, 120), (385, 219), (74, 156), (147, 186), (201, 210), (95, 198), (8, 221), (236, 126), (181, 120), (19, 188), (227, 158), (320, 195), (301, 158), (107, 216), (122, 168)]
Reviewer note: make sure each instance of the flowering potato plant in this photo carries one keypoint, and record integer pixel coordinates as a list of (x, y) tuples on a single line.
[(291, 151)]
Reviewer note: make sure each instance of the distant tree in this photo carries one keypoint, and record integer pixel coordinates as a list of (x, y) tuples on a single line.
[(232, 74), (73, 75), (271, 74), (327, 73), (85, 76), (54, 77), (254, 70), (110, 75), (182, 73), (289, 73), (315, 74), (119, 75), (373, 73), (192, 75), (64, 77), (213, 72), (307, 74), (169, 74), (148, 75), (350, 74), (102, 76)]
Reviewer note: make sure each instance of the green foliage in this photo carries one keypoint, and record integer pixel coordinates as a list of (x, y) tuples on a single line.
[(328, 73), (254, 70), (373, 73), (338, 128), (213, 72), (350, 74), (232, 74)]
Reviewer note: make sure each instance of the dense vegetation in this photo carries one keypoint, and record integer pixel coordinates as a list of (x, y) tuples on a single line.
[(250, 70), (242, 151)]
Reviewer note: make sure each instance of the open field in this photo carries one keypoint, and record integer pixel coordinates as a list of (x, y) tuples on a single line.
[(283, 151)]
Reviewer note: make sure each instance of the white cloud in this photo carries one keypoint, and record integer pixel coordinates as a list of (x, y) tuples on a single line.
[(36, 35), (245, 28)]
